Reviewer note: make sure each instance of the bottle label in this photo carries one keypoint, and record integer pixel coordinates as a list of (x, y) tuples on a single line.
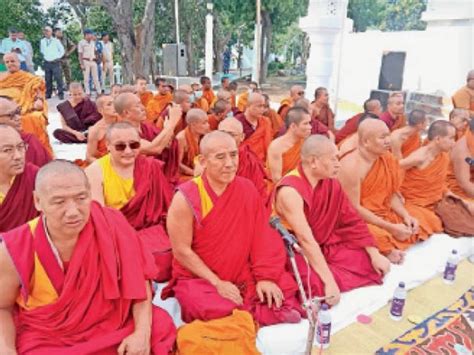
[(324, 333), (450, 272), (397, 307)]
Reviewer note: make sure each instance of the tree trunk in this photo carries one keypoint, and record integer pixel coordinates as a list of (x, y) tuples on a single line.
[(219, 44), (80, 10), (188, 41), (144, 34), (267, 37)]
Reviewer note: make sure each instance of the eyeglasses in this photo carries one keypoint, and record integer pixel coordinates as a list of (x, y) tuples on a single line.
[(10, 149), (12, 114), (301, 93), (120, 147)]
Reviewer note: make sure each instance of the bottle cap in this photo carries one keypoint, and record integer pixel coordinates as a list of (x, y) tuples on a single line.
[(401, 284), (324, 307)]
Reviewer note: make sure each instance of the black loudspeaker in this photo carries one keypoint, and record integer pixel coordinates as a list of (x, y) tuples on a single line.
[(391, 71)]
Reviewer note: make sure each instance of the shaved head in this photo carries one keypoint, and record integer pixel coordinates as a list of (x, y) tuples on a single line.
[(195, 115), (370, 127), (101, 100), (470, 75), (130, 89), (57, 168), (186, 88), (440, 128), (316, 145), (223, 95), (373, 106), (211, 140), (123, 101), (10, 113), (319, 157), (303, 103), (231, 124), (459, 112), (120, 125), (75, 86), (221, 106), (416, 117), (8, 130), (180, 96), (296, 115), (295, 90), (255, 98)]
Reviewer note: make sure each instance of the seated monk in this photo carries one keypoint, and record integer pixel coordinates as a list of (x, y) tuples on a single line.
[(154, 141), (296, 93), (350, 144), (17, 178), (321, 110), (464, 97), (159, 102), (284, 153), (78, 113), (20, 86), (221, 110), (115, 90), (407, 139), (317, 127), (36, 153), (394, 116), (350, 126), (459, 117), (243, 97), (188, 141), (257, 128), (96, 145), (195, 97), (335, 240), (207, 92), (36, 122), (145, 96), (233, 88), (75, 280), (424, 183), (225, 254), (273, 116), (135, 185), (250, 166), (370, 176), (182, 99)]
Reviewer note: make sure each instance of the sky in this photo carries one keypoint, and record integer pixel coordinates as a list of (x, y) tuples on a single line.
[(47, 3)]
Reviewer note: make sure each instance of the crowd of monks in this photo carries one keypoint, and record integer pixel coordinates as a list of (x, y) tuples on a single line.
[(179, 187)]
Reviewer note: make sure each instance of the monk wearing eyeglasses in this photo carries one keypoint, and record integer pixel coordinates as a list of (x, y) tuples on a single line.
[(134, 184)]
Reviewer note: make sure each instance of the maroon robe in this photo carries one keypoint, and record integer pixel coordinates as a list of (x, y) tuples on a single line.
[(105, 276), (18, 206), (251, 167), (169, 155), (350, 127), (235, 241), (36, 153), (326, 117), (339, 231), (146, 212)]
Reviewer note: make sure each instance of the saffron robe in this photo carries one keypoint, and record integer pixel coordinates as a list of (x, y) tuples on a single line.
[(412, 143), (350, 127), (423, 189), (36, 153), (258, 139), (83, 306), (291, 158), (232, 237), (23, 88), (202, 104), (36, 123), (145, 98), (209, 96), (243, 101), (453, 184), (251, 167), (464, 98), (326, 117), (285, 106), (382, 181), (18, 206), (193, 148), (275, 120), (156, 106), (213, 121), (339, 231)]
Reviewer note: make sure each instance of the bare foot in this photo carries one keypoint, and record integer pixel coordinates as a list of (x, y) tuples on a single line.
[(396, 256)]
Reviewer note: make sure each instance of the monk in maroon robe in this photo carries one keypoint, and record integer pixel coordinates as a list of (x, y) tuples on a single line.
[(226, 255), (17, 181), (90, 295), (339, 248)]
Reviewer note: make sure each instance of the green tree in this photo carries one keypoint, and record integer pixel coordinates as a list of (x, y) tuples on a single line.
[(366, 13), (404, 15)]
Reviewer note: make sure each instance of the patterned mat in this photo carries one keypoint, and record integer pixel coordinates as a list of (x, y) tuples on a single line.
[(450, 331)]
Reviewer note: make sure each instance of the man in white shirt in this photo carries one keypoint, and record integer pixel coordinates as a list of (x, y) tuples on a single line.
[(108, 60), (52, 51), (13, 44), (87, 56), (29, 57)]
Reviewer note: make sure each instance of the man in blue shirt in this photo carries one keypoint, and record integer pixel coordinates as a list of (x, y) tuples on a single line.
[(52, 51), (13, 44)]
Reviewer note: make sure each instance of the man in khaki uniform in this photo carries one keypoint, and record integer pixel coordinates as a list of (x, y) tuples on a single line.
[(87, 56)]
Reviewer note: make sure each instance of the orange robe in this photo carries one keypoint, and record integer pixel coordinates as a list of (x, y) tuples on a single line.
[(381, 183), (146, 97), (464, 98), (261, 138), (157, 105), (285, 106), (213, 121), (276, 121), (291, 158), (191, 153), (23, 88), (202, 104), (423, 189), (412, 143), (243, 101), (35, 123), (209, 96), (453, 184)]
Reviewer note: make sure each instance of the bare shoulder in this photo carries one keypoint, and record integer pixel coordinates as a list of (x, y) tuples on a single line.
[(276, 146), (179, 207), (9, 281), (350, 168), (94, 171)]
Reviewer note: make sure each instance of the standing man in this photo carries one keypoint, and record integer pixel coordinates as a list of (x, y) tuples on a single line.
[(107, 60), (69, 48), (87, 56), (99, 50), (52, 51), (29, 57), (15, 45)]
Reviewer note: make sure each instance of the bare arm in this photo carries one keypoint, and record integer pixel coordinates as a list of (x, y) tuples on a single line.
[(462, 170), (92, 142), (96, 180), (397, 205), (396, 145), (411, 161), (10, 286), (275, 161), (142, 314)]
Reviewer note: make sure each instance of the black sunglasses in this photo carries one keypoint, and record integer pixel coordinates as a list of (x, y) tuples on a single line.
[(120, 147)]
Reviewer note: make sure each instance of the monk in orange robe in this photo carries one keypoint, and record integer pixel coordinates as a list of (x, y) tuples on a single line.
[(284, 153), (350, 126), (464, 97), (371, 177), (424, 184), (207, 91), (183, 99), (459, 117), (273, 116), (296, 93), (321, 110), (36, 122), (340, 251), (145, 95), (243, 97), (226, 255), (17, 179), (159, 102), (257, 128), (394, 116), (350, 143), (188, 141), (84, 261), (221, 110), (406, 140)]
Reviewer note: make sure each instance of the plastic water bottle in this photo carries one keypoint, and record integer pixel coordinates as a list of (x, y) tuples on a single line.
[(323, 330), (451, 266), (398, 302)]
